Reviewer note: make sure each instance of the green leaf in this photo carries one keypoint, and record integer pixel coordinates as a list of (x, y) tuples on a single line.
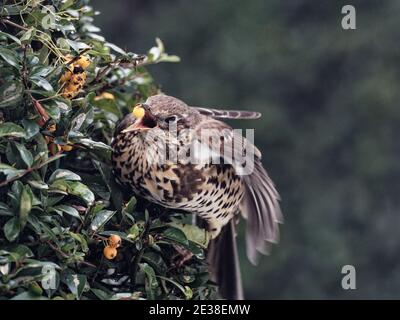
[(20, 251), (101, 294), (115, 48), (94, 145), (68, 210), (27, 295), (10, 94), (75, 283), (31, 128), (175, 235), (11, 229), (175, 283), (10, 57), (28, 34), (25, 205), (37, 184), (11, 129), (80, 190), (42, 82), (65, 175), (193, 233), (108, 105), (15, 39), (155, 260), (151, 282), (77, 46), (75, 188), (10, 171), (25, 154), (5, 210), (101, 219)]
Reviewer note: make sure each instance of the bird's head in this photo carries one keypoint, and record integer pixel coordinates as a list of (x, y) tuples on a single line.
[(160, 112)]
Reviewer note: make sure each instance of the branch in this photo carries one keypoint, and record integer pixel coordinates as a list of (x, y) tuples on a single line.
[(138, 257), (31, 169), (6, 21)]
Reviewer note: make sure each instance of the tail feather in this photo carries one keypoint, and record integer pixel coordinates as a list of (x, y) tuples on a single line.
[(261, 208), (224, 263)]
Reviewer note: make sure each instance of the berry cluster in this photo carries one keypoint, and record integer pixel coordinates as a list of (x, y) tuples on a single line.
[(74, 78), (110, 250)]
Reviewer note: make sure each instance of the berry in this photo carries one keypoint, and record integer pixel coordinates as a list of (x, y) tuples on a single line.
[(114, 241), (138, 112), (110, 252), (83, 61), (67, 147)]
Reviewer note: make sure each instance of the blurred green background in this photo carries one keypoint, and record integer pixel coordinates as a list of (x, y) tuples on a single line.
[(329, 132)]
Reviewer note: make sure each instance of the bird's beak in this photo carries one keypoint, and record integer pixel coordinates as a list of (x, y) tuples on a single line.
[(144, 119)]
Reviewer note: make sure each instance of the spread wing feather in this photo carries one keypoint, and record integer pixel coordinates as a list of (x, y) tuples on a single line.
[(260, 205), (228, 114)]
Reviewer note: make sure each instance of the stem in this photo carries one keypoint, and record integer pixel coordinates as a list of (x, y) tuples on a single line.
[(64, 255), (38, 166), (135, 263), (6, 21)]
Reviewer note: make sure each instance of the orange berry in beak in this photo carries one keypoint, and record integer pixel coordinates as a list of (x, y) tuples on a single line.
[(138, 112)]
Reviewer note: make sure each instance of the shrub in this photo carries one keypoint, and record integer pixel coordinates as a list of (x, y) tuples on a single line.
[(63, 88)]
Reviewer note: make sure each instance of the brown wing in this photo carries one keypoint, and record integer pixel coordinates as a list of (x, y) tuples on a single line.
[(228, 114), (260, 205)]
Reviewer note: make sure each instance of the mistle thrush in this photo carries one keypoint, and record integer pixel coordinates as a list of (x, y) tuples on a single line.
[(185, 158)]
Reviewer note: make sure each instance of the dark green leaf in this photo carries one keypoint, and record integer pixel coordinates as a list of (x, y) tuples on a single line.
[(27, 295), (10, 56), (10, 94), (9, 171), (25, 205), (11, 129), (25, 154), (42, 82), (11, 229), (100, 219), (15, 39), (68, 210), (28, 34), (175, 235), (31, 128), (65, 175), (75, 283)]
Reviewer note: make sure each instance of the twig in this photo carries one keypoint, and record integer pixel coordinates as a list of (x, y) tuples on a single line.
[(64, 255), (138, 257), (29, 170), (6, 21)]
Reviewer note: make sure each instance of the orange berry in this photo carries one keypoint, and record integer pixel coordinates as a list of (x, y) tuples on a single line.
[(138, 112), (110, 252), (67, 147), (83, 61), (114, 241), (66, 76)]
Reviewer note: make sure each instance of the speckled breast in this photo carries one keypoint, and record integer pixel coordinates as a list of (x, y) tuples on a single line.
[(213, 191)]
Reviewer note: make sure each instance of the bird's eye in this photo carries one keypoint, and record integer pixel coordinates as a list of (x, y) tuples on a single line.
[(171, 119)]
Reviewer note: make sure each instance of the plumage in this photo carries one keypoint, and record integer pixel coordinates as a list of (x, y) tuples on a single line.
[(184, 158)]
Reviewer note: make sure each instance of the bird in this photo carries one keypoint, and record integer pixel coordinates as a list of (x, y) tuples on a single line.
[(186, 158)]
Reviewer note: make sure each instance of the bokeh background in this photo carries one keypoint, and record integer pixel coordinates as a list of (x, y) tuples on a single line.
[(330, 126)]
